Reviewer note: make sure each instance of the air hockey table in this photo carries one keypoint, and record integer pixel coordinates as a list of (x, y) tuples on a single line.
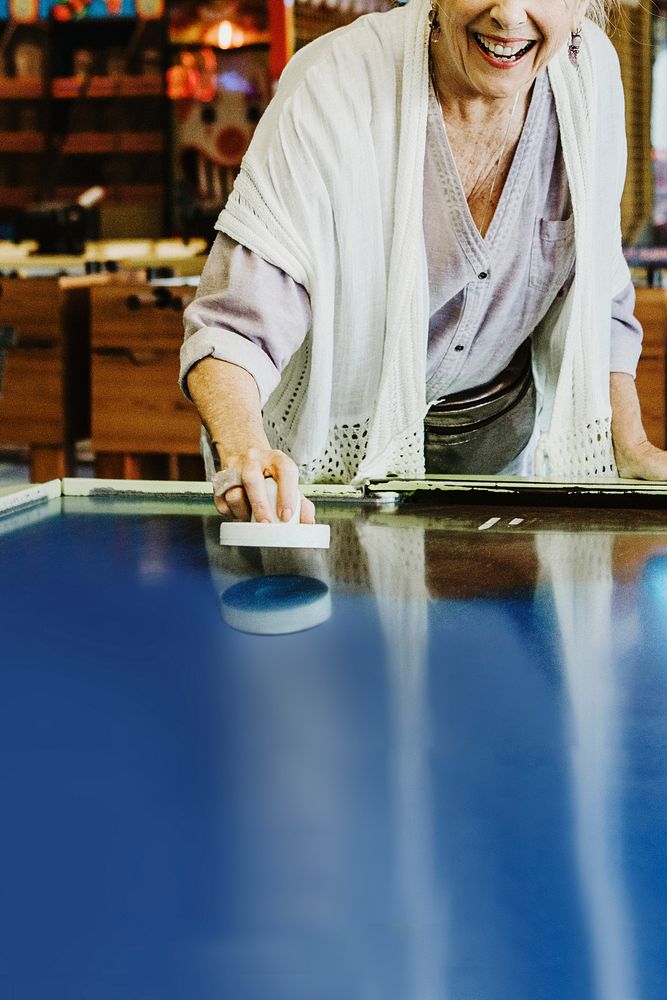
[(429, 762)]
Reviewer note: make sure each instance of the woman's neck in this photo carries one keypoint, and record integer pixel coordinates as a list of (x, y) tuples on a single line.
[(467, 110)]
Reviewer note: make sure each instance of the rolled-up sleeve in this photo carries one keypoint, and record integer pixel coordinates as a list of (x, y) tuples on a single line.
[(626, 333), (247, 312)]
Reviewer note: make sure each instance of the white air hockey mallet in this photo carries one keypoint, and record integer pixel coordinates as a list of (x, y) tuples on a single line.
[(278, 534)]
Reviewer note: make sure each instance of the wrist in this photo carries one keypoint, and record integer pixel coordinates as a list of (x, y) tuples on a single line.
[(627, 429)]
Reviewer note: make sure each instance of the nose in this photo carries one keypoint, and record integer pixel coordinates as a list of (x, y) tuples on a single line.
[(509, 14)]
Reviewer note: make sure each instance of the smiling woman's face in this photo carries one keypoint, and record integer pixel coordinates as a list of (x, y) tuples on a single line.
[(493, 50)]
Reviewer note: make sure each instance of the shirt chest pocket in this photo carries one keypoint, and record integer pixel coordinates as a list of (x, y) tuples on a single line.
[(551, 254)]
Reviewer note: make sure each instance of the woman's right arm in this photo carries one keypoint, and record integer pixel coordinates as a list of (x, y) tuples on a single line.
[(246, 322), (228, 401)]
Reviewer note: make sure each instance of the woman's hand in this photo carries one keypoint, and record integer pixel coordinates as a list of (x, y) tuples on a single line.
[(228, 402), (251, 468), (644, 461), (636, 457)]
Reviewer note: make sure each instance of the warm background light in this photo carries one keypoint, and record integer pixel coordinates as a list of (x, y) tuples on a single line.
[(225, 34)]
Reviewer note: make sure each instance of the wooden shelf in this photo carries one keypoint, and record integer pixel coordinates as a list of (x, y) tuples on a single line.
[(21, 142), (88, 142), (68, 87), (75, 122), (12, 89), (141, 142), (17, 197), (95, 143)]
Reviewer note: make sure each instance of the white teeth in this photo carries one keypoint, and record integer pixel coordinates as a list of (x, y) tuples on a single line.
[(506, 51)]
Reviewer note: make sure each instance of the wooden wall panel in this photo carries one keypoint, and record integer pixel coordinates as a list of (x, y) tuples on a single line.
[(630, 33), (651, 311)]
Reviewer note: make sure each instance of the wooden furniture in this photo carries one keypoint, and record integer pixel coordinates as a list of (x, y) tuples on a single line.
[(142, 425), (91, 107), (45, 371), (651, 311), (44, 396), (92, 111)]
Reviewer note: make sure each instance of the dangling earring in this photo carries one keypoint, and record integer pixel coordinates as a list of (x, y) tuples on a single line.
[(434, 21), (575, 45)]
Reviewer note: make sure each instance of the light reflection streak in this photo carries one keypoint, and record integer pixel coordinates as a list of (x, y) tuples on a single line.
[(578, 570), (397, 570)]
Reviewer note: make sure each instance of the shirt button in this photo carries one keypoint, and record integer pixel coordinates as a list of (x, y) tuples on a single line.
[(459, 347), (483, 274)]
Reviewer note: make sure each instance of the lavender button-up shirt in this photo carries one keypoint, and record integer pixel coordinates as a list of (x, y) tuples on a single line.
[(487, 294)]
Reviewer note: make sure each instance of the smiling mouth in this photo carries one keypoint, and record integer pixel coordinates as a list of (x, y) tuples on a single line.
[(510, 52)]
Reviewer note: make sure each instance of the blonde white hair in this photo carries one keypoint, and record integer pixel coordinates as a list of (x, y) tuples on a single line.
[(601, 11)]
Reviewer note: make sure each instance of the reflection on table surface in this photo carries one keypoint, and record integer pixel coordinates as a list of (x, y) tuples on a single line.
[(454, 786)]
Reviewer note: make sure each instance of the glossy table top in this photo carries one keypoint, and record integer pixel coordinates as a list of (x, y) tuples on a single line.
[(454, 785)]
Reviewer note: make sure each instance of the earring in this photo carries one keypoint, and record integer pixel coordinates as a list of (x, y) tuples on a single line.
[(434, 21), (575, 45)]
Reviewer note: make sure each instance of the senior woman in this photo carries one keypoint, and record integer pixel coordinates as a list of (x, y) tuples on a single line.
[(419, 268)]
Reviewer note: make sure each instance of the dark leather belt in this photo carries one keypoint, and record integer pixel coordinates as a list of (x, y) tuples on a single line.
[(479, 431)]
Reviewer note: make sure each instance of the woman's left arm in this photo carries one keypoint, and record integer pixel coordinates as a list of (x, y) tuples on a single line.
[(636, 457)]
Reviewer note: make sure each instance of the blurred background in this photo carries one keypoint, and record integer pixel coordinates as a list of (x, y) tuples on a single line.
[(155, 102), (122, 127)]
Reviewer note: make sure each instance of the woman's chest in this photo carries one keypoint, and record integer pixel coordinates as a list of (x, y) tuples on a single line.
[(531, 243), (482, 168)]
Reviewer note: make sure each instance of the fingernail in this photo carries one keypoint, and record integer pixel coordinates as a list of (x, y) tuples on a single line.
[(286, 514)]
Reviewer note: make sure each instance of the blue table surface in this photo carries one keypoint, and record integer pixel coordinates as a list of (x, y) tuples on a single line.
[(454, 787)]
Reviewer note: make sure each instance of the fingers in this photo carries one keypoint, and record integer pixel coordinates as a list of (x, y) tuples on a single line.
[(258, 495), (307, 511), (221, 506), (288, 498), (258, 470), (237, 504), (238, 508)]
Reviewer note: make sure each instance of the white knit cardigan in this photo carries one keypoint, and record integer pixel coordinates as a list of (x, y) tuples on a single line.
[(331, 192)]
